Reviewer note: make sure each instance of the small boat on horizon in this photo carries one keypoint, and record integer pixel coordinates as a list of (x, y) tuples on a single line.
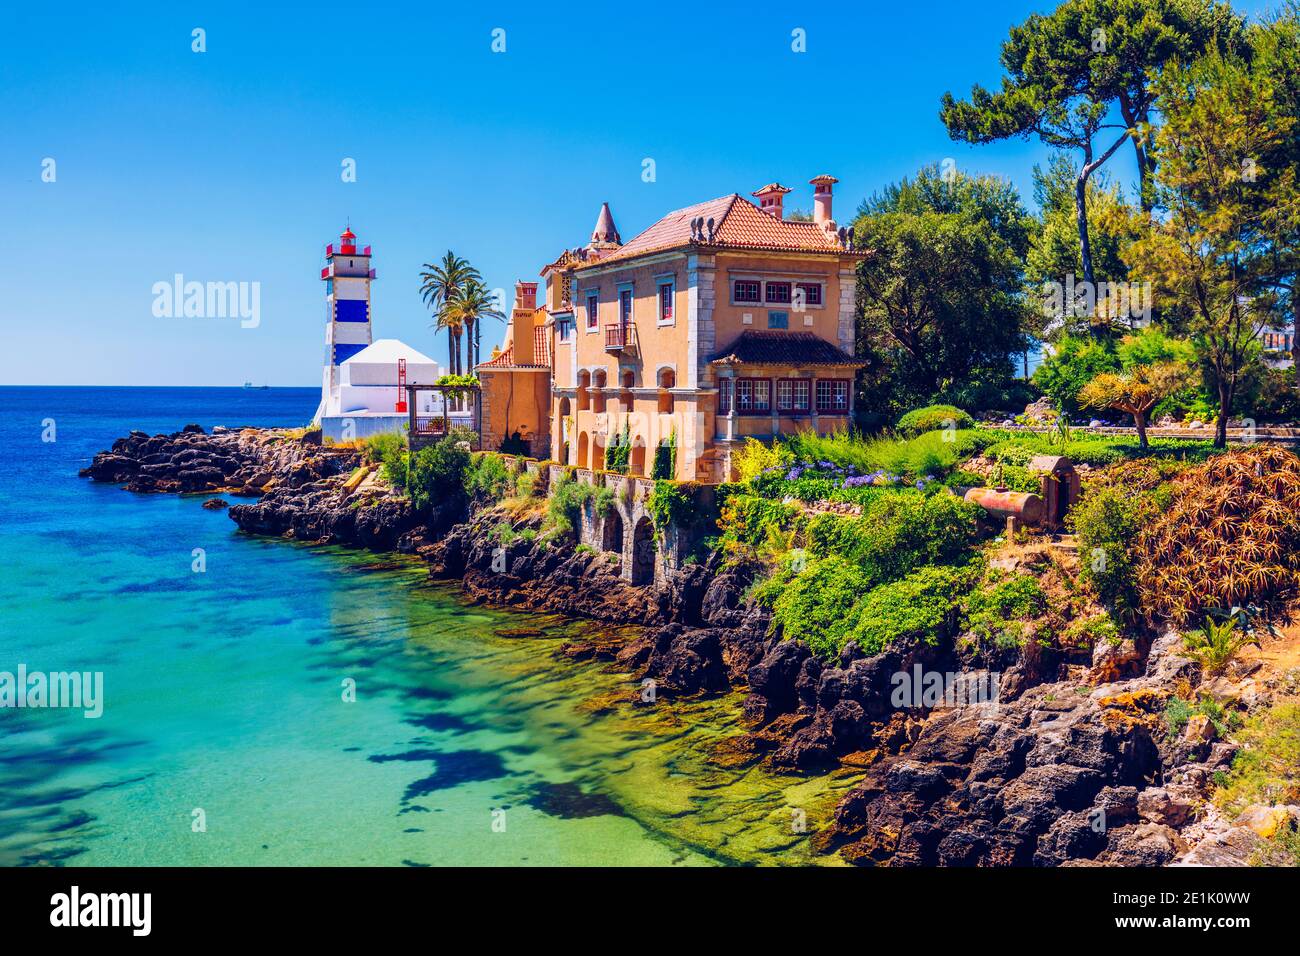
[(259, 387)]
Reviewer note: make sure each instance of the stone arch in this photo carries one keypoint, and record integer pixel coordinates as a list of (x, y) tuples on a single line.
[(611, 532), (643, 552), (597, 453), (583, 460), (598, 388)]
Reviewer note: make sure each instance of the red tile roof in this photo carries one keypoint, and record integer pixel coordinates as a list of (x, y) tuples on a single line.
[(738, 224), (541, 354), (754, 347)]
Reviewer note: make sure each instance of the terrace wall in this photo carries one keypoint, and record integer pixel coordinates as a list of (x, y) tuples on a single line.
[(645, 556)]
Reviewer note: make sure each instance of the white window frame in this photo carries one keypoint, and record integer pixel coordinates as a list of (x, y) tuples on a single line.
[(662, 282)]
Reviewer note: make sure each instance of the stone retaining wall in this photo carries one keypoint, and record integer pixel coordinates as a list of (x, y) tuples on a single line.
[(645, 556)]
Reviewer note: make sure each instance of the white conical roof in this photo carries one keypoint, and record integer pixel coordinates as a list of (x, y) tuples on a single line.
[(387, 352)]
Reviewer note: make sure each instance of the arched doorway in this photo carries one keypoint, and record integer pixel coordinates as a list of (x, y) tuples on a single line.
[(643, 552), (582, 451), (636, 460), (611, 532), (584, 383)]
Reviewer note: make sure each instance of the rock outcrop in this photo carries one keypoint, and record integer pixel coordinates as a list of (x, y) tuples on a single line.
[(245, 461)]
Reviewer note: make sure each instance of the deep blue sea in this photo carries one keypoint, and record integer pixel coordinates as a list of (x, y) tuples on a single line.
[(226, 737)]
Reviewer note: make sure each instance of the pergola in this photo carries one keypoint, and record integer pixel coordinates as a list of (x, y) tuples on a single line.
[(427, 429)]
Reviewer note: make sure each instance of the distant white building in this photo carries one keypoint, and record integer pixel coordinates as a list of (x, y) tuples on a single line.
[(363, 387)]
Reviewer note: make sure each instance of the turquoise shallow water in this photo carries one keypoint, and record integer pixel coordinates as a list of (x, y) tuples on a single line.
[(224, 692)]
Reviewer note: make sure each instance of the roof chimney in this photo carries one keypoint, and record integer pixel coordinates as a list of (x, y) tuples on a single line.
[(770, 198), (822, 201), (605, 236), (526, 295)]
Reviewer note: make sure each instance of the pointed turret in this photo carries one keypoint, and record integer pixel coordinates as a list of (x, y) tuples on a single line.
[(605, 236)]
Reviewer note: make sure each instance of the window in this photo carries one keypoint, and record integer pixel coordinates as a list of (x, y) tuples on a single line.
[(792, 395), (625, 306), (564, 328), (753, 396), (778, 320), (812, 292), (832, 396), (593, 301), (665, 302), (724, 396), (566, 288), (745, 290), (778, 292)]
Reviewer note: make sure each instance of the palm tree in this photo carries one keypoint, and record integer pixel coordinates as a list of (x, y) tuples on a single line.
[(438, 284), (468, 306)]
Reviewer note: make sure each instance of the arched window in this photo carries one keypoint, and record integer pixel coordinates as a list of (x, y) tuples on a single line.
[(667, 380), (584, 383), (598, 388)]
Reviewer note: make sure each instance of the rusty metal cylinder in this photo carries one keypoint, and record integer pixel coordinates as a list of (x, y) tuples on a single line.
[(1024, 507)]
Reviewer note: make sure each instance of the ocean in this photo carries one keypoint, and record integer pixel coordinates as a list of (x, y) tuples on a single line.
[(274, 703)]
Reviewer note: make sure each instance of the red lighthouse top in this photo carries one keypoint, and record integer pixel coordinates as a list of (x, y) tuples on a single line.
[(347, 246)]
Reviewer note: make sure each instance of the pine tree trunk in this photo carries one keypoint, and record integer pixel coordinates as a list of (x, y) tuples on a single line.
[(1081, 214), (1225, 406)]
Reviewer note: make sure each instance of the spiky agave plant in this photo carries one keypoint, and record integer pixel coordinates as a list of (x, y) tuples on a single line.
[(1231, 537)]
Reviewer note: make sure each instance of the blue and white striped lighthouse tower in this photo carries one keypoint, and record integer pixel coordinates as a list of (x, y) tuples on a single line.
[(347, 275)]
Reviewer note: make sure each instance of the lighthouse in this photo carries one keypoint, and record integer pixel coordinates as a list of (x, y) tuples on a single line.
[(363, 387), (347, 276)]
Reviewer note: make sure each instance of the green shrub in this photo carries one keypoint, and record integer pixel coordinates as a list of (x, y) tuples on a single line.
[(932, 417), (382, 448), (898, 533), (437, 473), (671, 503), (389, 451), (569, 497), (747, 521), (1267, 767), (527, 483), (1177, 713), (816, 606), (1107, 521), (1090, 631), (996, 613), (487, 479), (924, 606), (1075, 362)]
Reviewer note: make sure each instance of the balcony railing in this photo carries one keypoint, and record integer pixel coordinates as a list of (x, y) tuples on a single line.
[(430, 425), (617, 336)]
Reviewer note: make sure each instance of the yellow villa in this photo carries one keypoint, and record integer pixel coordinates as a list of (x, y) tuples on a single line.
[(721, 321)]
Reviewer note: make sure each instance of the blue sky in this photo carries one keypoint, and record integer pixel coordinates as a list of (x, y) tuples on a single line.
[(225, 165)]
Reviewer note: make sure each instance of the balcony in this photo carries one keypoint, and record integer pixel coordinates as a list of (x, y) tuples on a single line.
[(617, 337)]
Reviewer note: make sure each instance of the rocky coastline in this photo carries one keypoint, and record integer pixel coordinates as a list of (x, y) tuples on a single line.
[(1072, 766)]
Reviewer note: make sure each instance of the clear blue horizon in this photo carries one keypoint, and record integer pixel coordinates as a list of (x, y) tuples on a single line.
[(225, 166)]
